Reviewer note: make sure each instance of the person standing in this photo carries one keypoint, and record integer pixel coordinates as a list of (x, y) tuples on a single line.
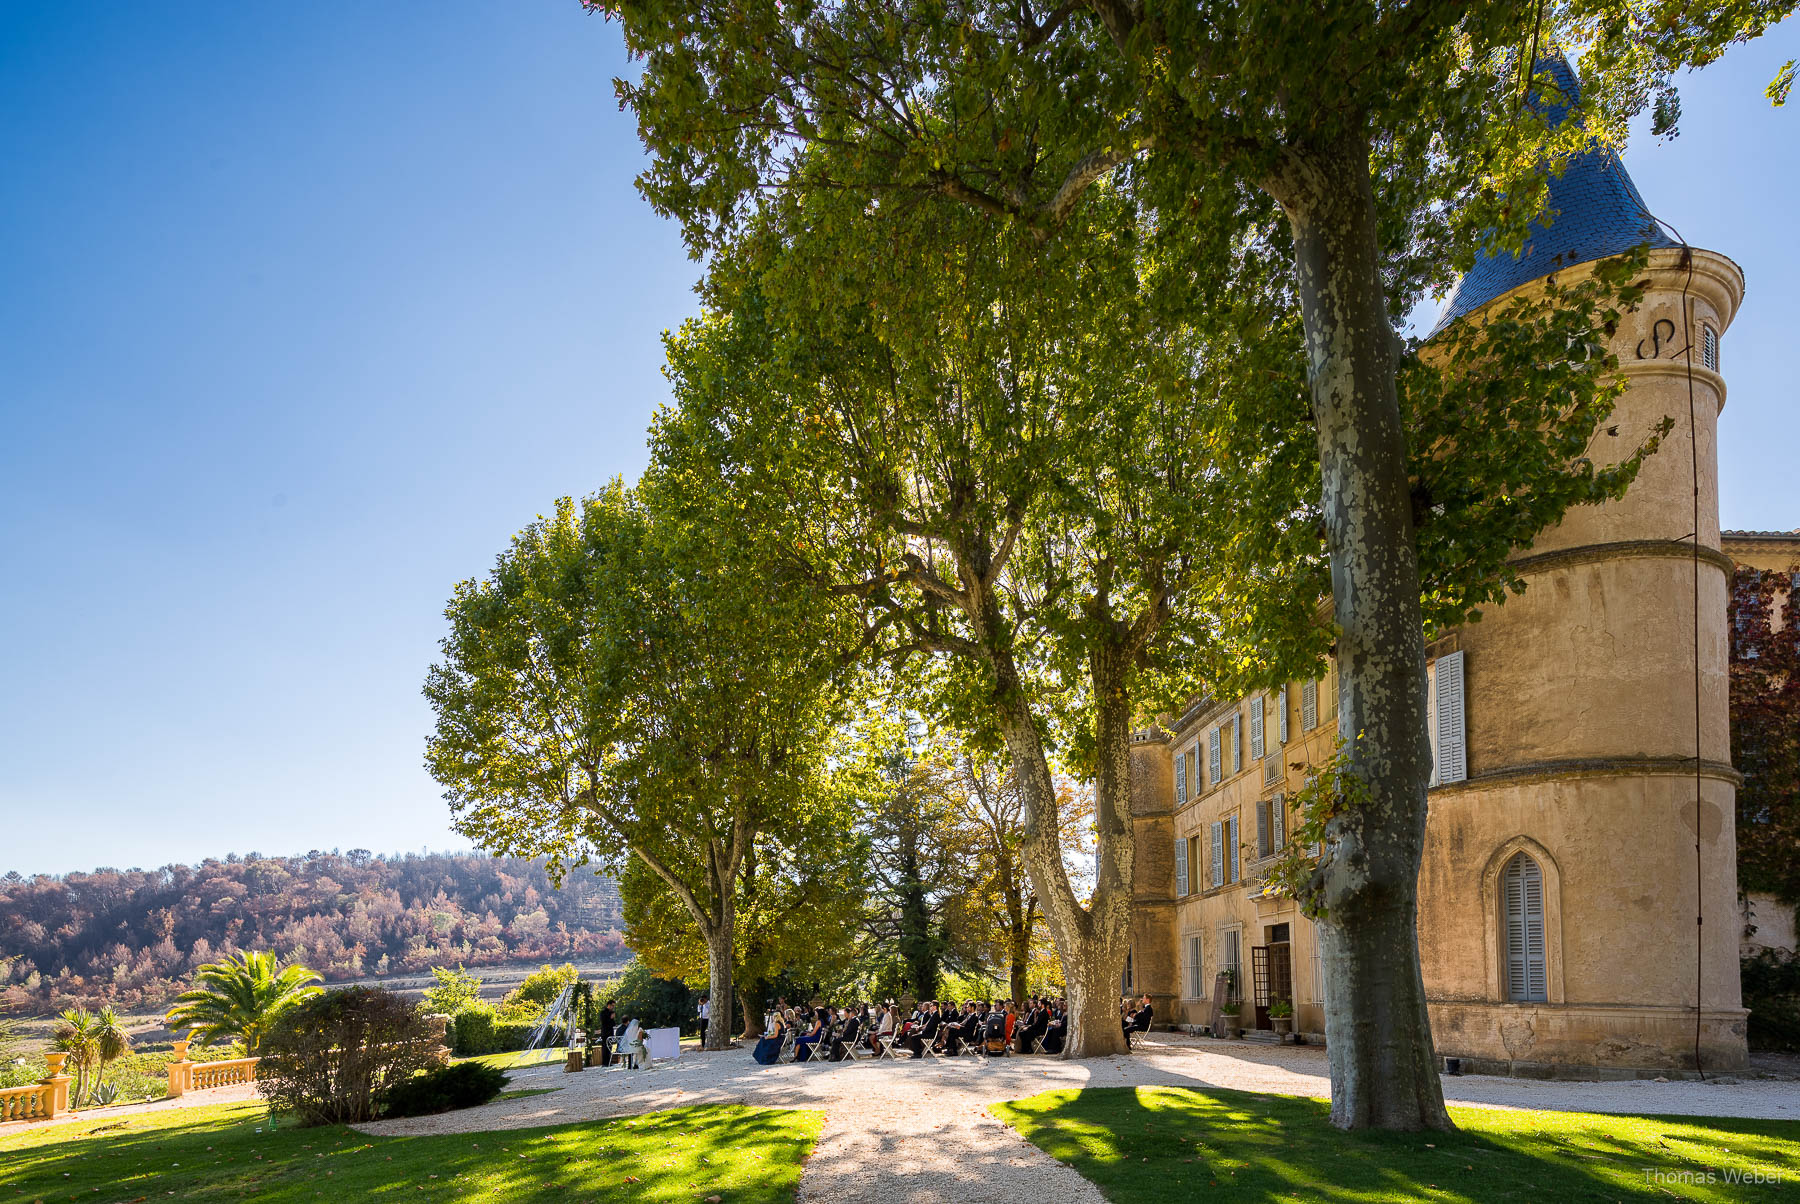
[(606, 1033), (705, 1013)]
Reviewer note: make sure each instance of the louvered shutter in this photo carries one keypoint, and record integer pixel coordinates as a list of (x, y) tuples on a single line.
[(1309, 705), (1256, 728), (1534, 931), (1431, 723), (1278, 812), (1181, 867), (1452, 759), (1263, 848), (1218, 853), (1523, 886), (1514, 882), (1237, 744), (1281, 719), (1213, 764), (1231, 840), (1180, 780)]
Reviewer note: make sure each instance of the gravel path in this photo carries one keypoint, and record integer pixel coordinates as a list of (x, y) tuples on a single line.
[(920, 1131)]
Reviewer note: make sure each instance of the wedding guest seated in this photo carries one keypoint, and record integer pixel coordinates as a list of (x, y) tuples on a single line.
[(1139, 1021), (806, 1045), (846, 1037), (1056, 1028)]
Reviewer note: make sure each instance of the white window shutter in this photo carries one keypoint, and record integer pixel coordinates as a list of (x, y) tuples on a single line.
[(1278, 812), (1281, 719), (1452, 758), (1213, 764), (1180, 779), (1256, 728), (1431, 722), (1232, 839), (1309, 705), (1237, 743), (1218, 853), (1181, 867)]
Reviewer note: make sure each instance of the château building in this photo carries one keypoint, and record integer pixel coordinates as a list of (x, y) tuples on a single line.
[(1567, 863)]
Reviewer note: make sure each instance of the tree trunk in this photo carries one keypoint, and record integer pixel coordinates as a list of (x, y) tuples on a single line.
[(719, 989), (1378, 1035), (1092, 941), (752, 1026)]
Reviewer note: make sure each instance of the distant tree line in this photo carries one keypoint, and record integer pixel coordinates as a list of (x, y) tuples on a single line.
[(135, 935)]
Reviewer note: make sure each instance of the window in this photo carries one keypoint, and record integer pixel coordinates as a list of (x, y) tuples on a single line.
[(1309, 705), (1217, 877), (1231, 851), (1709, 347), (1229, 942), (1522, 896), (1256, 728), (1235, 742), (1272, 770), (1125, 983), (1196, 970), (1450, 761), (1193, 770), (1318, 968), (1271, 824), (1281, 716), (1181, 866), (1213, 764), (1180, 780)]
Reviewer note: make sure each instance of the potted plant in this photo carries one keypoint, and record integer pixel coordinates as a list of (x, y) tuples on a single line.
[(1281, 1016), (1229, 1010)]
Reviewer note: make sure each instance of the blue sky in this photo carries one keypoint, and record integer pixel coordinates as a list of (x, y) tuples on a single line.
[(305, 309)]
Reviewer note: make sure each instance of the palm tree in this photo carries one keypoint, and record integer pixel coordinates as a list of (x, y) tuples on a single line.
[(239, 997), (111, 1041), (77, 1035)]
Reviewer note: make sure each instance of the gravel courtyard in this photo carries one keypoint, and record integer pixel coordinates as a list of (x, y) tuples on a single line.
[(920, 1131)]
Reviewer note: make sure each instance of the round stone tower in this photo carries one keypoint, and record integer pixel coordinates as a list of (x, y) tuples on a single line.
[(1578, 895)]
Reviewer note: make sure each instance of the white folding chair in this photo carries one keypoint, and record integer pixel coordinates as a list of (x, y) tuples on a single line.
[(890, 1048)]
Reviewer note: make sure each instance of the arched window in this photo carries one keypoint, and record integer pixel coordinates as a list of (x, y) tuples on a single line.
[(1522, 895)]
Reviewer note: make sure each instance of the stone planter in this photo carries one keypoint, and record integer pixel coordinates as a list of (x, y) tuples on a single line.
[(1232, 1028), (1283, 1025)]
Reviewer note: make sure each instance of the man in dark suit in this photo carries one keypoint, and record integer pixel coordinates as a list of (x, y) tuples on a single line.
[(1139, 1021), (840, 1049)]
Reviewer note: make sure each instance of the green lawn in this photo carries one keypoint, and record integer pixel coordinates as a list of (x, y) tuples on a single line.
[(216, 1153), (517, 1058), (1152, 1145)]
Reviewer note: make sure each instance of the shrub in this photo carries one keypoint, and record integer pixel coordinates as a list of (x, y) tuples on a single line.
[(654, 1002), (480, 1030), (539, 990), (327, 1059), (448, 1087), (1771, 983), (472, 1031), (453, 991)]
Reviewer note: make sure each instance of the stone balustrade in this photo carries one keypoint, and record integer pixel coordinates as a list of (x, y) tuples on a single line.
[(41, 1100), (185, 1076)]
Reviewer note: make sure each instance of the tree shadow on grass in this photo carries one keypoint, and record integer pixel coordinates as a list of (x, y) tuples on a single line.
[(1154, 1144), (741, 1153)]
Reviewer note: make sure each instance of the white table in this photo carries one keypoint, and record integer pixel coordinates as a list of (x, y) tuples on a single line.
[(663, 1043)]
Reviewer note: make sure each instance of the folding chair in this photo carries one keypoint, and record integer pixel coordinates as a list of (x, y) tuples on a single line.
[(891, 1048)]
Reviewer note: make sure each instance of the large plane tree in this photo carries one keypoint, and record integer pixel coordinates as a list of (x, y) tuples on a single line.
[(1360, 149)]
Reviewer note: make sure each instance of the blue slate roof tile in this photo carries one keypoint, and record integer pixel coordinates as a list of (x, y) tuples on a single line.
[(1595, 211)]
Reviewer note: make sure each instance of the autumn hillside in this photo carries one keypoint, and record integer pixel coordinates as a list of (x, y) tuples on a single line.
[(132, 935)]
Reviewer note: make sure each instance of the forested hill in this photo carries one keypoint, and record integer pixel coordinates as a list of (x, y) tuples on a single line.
[(135, 935)]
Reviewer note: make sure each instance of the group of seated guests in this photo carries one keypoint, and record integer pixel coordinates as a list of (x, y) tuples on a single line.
[(828, 1032)]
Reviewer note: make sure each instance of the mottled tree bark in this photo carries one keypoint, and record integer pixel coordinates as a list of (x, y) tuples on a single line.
[(1092, 940), (1378, 1035)]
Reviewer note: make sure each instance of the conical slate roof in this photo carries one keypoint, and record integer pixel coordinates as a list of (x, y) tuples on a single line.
[(1595, 209)]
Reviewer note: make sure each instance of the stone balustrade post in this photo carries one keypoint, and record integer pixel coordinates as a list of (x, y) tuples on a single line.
[(58, 1082), (181, 1071)]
